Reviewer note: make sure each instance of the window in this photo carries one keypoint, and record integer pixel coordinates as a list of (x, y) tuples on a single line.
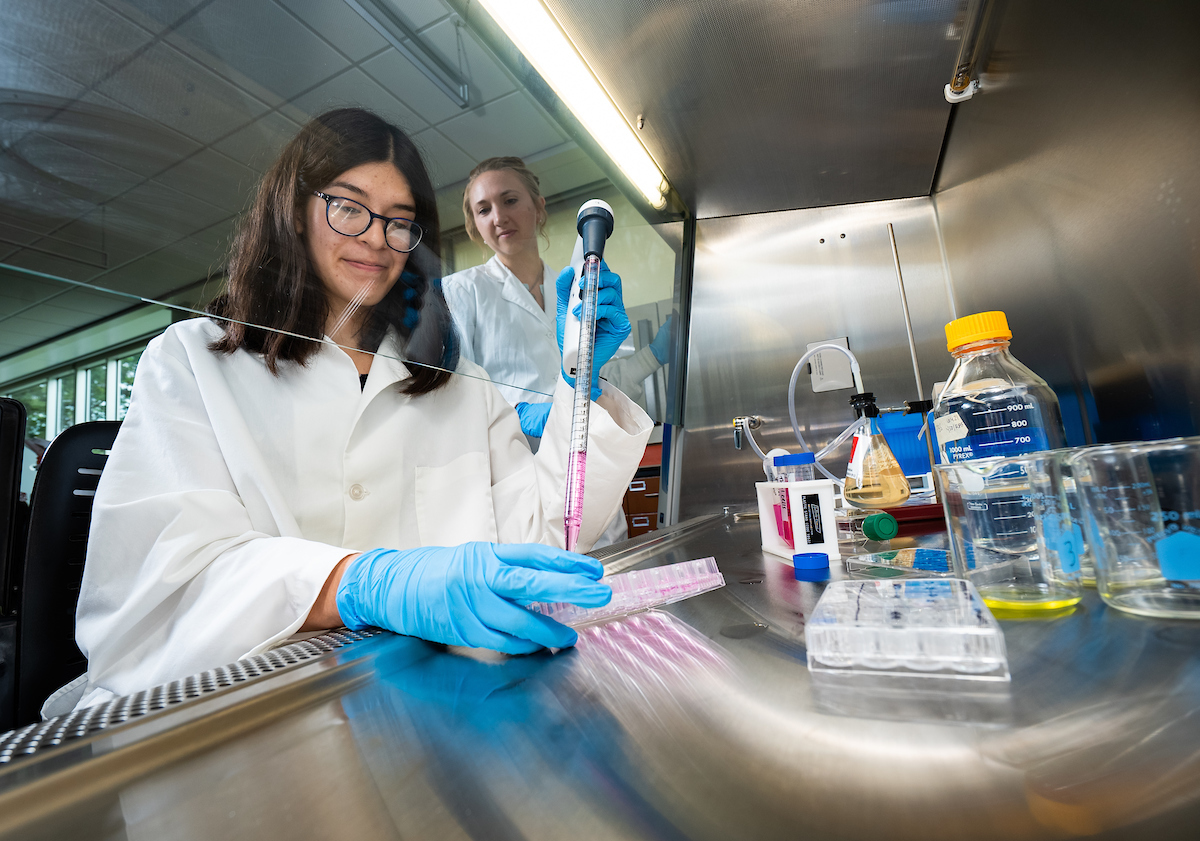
[(34, 398), (97, 390)]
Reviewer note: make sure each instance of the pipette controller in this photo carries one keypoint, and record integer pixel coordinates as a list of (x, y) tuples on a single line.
[(595, 225)]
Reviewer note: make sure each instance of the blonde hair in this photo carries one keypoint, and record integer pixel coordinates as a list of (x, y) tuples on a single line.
[(513, 165)]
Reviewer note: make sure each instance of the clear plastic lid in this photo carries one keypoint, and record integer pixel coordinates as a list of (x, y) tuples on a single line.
[(915, 627), (640, 590)]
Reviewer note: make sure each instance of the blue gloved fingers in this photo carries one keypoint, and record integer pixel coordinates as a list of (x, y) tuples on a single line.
[(533, 418), (562, 283), (613, 318), (535, 585), (660, 345), (607, 278), (524, 626), (548, 558), (609, 299)]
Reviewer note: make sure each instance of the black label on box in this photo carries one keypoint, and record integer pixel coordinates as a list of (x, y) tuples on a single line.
[(812, 519)]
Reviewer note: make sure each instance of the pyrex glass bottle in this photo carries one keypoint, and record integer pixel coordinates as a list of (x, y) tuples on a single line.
[(873, 476), (992, 405)]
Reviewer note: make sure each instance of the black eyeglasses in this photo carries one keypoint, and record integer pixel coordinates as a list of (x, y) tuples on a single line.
[(350, 219)]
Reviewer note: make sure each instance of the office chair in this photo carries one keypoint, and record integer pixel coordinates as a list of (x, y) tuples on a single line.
[(59, 519)]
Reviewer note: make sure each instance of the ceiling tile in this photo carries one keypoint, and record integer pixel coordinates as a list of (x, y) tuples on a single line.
[(260, 41), (160, 215), (39, 203), (49, 264), (83, 41), (113, 133), (338, 24), (401, 78), (30, 80), (419, 14), (152, 15), (484, 76), (81, 174), (213, 177), (258, 142), (18, 291), (354, 88), (103, 233), (509, 126), (445, 161), (566, 170), (166, 86), (155, 275)]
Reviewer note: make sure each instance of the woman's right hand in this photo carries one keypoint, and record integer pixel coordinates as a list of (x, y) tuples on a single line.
[(470, 594), (612, 324)]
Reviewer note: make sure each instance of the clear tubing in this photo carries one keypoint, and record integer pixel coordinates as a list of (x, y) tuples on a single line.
[(842, 438), (855, 372), (581, 408)]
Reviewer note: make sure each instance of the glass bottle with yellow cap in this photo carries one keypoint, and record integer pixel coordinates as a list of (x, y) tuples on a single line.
[(992, 405), (992, 413)]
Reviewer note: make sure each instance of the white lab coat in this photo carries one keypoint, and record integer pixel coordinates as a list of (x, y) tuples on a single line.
[(507, 334), (231, 494)]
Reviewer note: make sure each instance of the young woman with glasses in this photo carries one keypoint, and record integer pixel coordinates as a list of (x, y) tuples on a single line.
[(305, 458)]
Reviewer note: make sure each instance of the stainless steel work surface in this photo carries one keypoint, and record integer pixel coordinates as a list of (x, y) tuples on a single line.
[(697, 721)]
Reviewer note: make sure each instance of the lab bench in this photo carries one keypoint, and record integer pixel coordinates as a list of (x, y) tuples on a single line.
[(700, 720)]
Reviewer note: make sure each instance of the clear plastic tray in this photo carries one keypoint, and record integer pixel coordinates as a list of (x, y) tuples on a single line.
[(900, 563), (641, 589), (917, 627)]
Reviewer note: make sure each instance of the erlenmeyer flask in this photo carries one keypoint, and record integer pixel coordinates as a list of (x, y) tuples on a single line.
[(873, 476)]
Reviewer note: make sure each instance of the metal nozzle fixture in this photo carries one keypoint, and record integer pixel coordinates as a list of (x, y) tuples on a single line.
[(744, 422)]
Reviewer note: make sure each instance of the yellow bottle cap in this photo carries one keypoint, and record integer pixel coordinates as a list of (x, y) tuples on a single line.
[(976, 328)]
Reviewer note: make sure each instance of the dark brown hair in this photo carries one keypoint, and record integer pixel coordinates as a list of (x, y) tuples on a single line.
[(513, 165), (272, 283)]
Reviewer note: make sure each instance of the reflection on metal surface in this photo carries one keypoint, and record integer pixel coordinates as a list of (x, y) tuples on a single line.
[(1069, 199), (765, 286), (17, 744), (645, 659), (751, 107), (651, 730), (893, 698)]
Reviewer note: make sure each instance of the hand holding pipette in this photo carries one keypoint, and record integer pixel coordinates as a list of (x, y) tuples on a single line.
[(588, 346), (612, 323)]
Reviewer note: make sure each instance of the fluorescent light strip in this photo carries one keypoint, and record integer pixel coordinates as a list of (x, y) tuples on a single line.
[(538, 36)]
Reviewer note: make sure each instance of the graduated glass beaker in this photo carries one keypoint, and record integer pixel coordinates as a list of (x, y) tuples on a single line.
[(1011, 532), (1142, 501)]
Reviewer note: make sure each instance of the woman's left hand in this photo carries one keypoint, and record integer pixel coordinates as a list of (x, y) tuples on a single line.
[(612, 324)]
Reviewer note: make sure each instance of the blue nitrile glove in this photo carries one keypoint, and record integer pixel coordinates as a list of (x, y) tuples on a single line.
[(660, 346), (533, 417), (612, 324), (470, 594)]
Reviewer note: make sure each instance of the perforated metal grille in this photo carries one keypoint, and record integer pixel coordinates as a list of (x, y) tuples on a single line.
[(45, 734)]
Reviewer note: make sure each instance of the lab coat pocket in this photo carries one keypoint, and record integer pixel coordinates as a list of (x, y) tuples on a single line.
[(454, 502)]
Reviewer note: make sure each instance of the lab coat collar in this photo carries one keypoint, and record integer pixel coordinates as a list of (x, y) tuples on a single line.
[(513, 291), (386, 369)]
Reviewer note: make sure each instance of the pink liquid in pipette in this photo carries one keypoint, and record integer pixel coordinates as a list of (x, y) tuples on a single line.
[(576, 469)]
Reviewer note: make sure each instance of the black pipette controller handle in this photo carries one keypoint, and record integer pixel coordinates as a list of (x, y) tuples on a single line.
[(595, 226)]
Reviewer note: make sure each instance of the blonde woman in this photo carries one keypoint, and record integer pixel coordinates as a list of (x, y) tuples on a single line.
[(505, 309)]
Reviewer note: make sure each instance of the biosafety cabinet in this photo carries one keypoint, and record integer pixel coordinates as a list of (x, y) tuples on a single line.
[(1035, 158)]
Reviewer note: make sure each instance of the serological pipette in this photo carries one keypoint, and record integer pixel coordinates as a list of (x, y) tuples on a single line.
[(595, 225)]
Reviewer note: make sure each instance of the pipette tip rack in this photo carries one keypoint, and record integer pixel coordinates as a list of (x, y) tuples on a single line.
[(640, 590)]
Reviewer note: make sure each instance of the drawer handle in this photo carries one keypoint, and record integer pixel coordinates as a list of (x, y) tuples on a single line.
[(640, 521), (639, 485)]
